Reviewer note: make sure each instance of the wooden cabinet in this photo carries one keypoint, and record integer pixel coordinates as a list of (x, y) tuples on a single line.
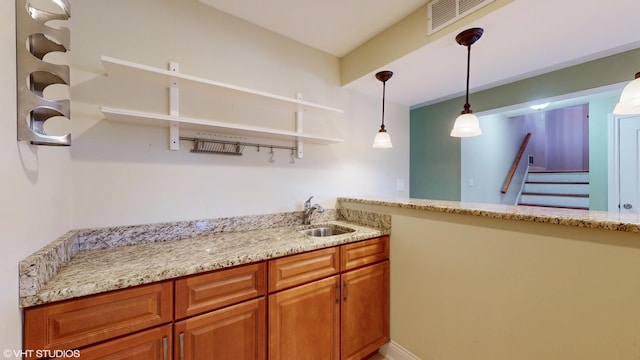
[(232, 315), (365, 310), (223, 315), (77, 323), (235, 332), (304, 322), (365, 297), (331, 303), (338, 312)]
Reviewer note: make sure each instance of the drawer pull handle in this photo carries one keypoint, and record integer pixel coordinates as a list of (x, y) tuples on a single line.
[(346, 291), (165, 348), (181, 346)]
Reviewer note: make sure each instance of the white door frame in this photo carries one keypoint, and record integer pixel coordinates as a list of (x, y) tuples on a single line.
[(613, 198)]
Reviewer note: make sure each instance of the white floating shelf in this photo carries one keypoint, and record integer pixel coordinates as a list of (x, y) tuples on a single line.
[(134, 71), (153, 119)]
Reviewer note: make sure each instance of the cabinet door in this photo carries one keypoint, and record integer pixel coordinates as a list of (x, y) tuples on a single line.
[(236, 332), (365, 310), (153, 344), (304, 322)]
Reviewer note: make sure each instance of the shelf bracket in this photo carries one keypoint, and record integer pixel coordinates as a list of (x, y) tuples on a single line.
[(299, 120), (174, 109)]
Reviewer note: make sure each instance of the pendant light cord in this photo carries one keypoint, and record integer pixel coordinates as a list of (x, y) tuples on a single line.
[(383, 76), (467, 106), (384, 84)]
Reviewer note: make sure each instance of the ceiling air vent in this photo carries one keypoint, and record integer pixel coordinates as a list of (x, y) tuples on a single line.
[(445, 12)]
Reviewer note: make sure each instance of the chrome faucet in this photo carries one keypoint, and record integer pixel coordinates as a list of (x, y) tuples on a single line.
[(308, 210)]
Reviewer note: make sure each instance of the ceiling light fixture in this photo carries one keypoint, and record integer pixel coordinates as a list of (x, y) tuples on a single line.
[(382, 139), (467, 124), (629, 103), (539, 106)]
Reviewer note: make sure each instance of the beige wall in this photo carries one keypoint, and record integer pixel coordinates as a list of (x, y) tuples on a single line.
[(400, 39), (466, 287)]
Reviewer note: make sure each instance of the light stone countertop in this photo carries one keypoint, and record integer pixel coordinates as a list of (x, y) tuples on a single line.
[(91, 261), (100, 270), (603, 220)]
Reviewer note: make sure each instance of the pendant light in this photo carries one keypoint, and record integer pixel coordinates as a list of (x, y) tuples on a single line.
[(629, 99), (382, 139), (467, 124)]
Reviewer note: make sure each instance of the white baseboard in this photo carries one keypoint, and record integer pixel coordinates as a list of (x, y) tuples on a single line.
[(393, 351)]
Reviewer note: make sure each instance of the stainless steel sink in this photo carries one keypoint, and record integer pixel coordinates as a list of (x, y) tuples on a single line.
[(326, 230)]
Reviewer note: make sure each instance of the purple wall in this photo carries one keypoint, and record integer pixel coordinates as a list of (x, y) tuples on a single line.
[(567, 138), (559, 137)]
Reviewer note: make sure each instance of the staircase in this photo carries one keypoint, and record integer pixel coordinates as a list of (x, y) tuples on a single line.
[(560, 189)]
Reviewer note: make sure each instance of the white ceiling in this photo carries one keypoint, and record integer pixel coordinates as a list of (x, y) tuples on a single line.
[(521, 39)]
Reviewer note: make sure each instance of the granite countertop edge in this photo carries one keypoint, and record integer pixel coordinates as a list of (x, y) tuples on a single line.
[(571, 217)]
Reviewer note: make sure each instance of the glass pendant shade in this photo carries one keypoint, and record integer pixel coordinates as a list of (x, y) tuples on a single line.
[(629, 99), (466, 125), (382, 140)]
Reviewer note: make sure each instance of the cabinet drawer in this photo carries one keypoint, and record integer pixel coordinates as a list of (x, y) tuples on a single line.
[(302, 268), (364, 252), (201, 293), (76, 323), (152, 344)]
